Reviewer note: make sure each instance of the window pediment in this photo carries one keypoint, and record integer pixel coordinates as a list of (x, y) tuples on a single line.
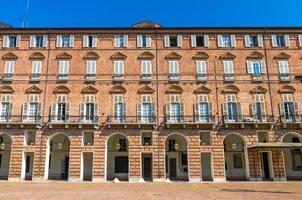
[(230, 89), (91, 56), (287, 89), (258, 90), (146, 90), (118, 56), (36, 56), (61, 90), (200, 55), (9, 56), (202, 90), (146, 56), (63, 56), (89, 90), (146, 24), (173, 56), (282, 55), (6, 89), (255, 55), (227, 56), (33, 90), (118, 90), (174, 89)]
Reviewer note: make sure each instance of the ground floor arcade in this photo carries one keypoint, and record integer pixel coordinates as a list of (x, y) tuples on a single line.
[(141, 155)]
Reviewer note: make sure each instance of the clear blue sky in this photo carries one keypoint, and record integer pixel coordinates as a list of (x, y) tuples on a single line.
[(123, 13)]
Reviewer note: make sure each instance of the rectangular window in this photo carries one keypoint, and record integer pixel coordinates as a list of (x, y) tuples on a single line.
[(173, 40), (38, 41), (263, 137), (121, 41), (36, 69), (284, 70), (201, 68), (118, 69), (237, 161), (280, 40), (205, 138), (228, 68), (63, 69), (65, 41), (172, 145), (174, 70), (5, 107), (90, 69), (146, 67), (89, 41), (143, 41), (30, 138), (199, 40), (146, 138), (9, 68), (88, 139), (253, 40), (121, 164), (226, 41), (296, 159), (11, 41)]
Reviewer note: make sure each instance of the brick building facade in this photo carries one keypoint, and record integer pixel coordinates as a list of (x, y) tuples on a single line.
[(151, 103)]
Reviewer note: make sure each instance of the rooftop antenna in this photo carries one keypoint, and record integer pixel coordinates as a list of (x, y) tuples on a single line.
[(25, 22)]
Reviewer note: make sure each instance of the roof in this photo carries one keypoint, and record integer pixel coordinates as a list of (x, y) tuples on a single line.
[(276, 145), (3, 25)]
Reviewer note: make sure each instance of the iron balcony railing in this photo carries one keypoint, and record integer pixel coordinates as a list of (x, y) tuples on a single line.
[(229, 77), (201, 77), (146, 77), (194, 119), (131, 119), (173, 76), (291, 118), (35, 76), (284, 77), (20, 119), (62, 77), (257, 77), (66, 119), (248, 119), (118, 77), (90, 77), (7, 77)]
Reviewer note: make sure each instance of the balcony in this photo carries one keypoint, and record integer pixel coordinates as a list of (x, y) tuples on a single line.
[(90, 77), (62, 77), (257, 77), (248, 120), (66, 121), (146, 77), (291, 120), (7, 77), (35, 77), (284, 77), (118, 77), (20, 121), (190, 121), (126, 121), (173, 77), (229, 77), (201, 77)]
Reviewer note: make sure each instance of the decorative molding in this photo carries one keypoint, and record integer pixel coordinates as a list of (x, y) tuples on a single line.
[(174, 89), (227, 56), (287, 89), (202, 90), (33, 90), (146, 24), (146, 56), (118, 56), (91, 56), (89, 90), (146, 90), (36, 56), (64, 56), (61, 90), (9, 56), (255, 55), (258, 90), (200, 55), (231, 89), (118, 90), (281, 56), (6, 89), (173, 56)]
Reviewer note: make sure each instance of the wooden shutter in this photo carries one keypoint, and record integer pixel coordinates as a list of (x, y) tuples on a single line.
[(139, 112), (125, 41), (5, 41), (287, 40), (247, 41), (239, 115), (166, 41), (39, 111), (225, 110), (54, 111), (71, 42), (274, 40), (82, 111), (179, 40), (59, 41), (117, 41), (10, 111), (296, 110), (94, 41), (282, 111), (263, 113), (206, 40), (32, 41), (85, 40), (253, 110), (196, 111), (124, 111), (45, 40), (219, 41), (193, 41), (263, 67), (249, 66), (260, 40), (139, 40), (300, 40), (96, 110), (233, 40), (115, 111), (25, 111), (182, 117), (67, 111), (149, 41), (18, 41)]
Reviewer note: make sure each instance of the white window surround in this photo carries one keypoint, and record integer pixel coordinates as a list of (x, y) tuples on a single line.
[(194, 43), (33, 42), (121, 41), (140, 42), (286, 40), (248, 42), (146, 67), (59, 42), (167, 40), (221, 42), (86, 42), (6, 41)]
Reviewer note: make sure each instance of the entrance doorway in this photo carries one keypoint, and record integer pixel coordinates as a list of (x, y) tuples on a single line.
[(265, 166), (147, 166), (28, 164), (172, 168), (87, 166), (206, 167)]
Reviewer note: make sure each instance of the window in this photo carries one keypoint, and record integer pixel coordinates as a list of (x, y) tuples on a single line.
[(171, 146), (289, 109), (296, 159), (118, 69), (60, 109), (90, 69), (145, 109), (202, 109), (121, 41), (226, 41), (63, 69), (146, 138), (263, 137), (30, 137), (258, 108), (89, 41), (175, 109), (89, 109), (231, 109), (201, 68), (280, 40), (199, 40), (36, 69), (9, 69), (31, 109), (11, 41), (205, 138), (228, 67), (6, 107), (284, 70), (256, 68), (146, 70), (295, 140), (65, 41), (300, 40), (38, 41), (88, 139), (119, 108), (253, 40), (122, 145), (173, 69), (237, 161), (121, 164), (144, 41), (173, 40)]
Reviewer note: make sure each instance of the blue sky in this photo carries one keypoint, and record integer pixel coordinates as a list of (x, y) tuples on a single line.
[(169, 13)]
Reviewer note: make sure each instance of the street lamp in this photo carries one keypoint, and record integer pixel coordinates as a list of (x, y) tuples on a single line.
[(2, 146), (60, 145), (118, 146), (176, 146)]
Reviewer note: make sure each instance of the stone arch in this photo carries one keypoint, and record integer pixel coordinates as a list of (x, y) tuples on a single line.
[(294, 134), (5, 148)]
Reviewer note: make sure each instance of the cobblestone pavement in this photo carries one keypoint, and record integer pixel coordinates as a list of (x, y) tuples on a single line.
[(146, 191)]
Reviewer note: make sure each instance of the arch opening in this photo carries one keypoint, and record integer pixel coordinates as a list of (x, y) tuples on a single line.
[(5, 155)]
